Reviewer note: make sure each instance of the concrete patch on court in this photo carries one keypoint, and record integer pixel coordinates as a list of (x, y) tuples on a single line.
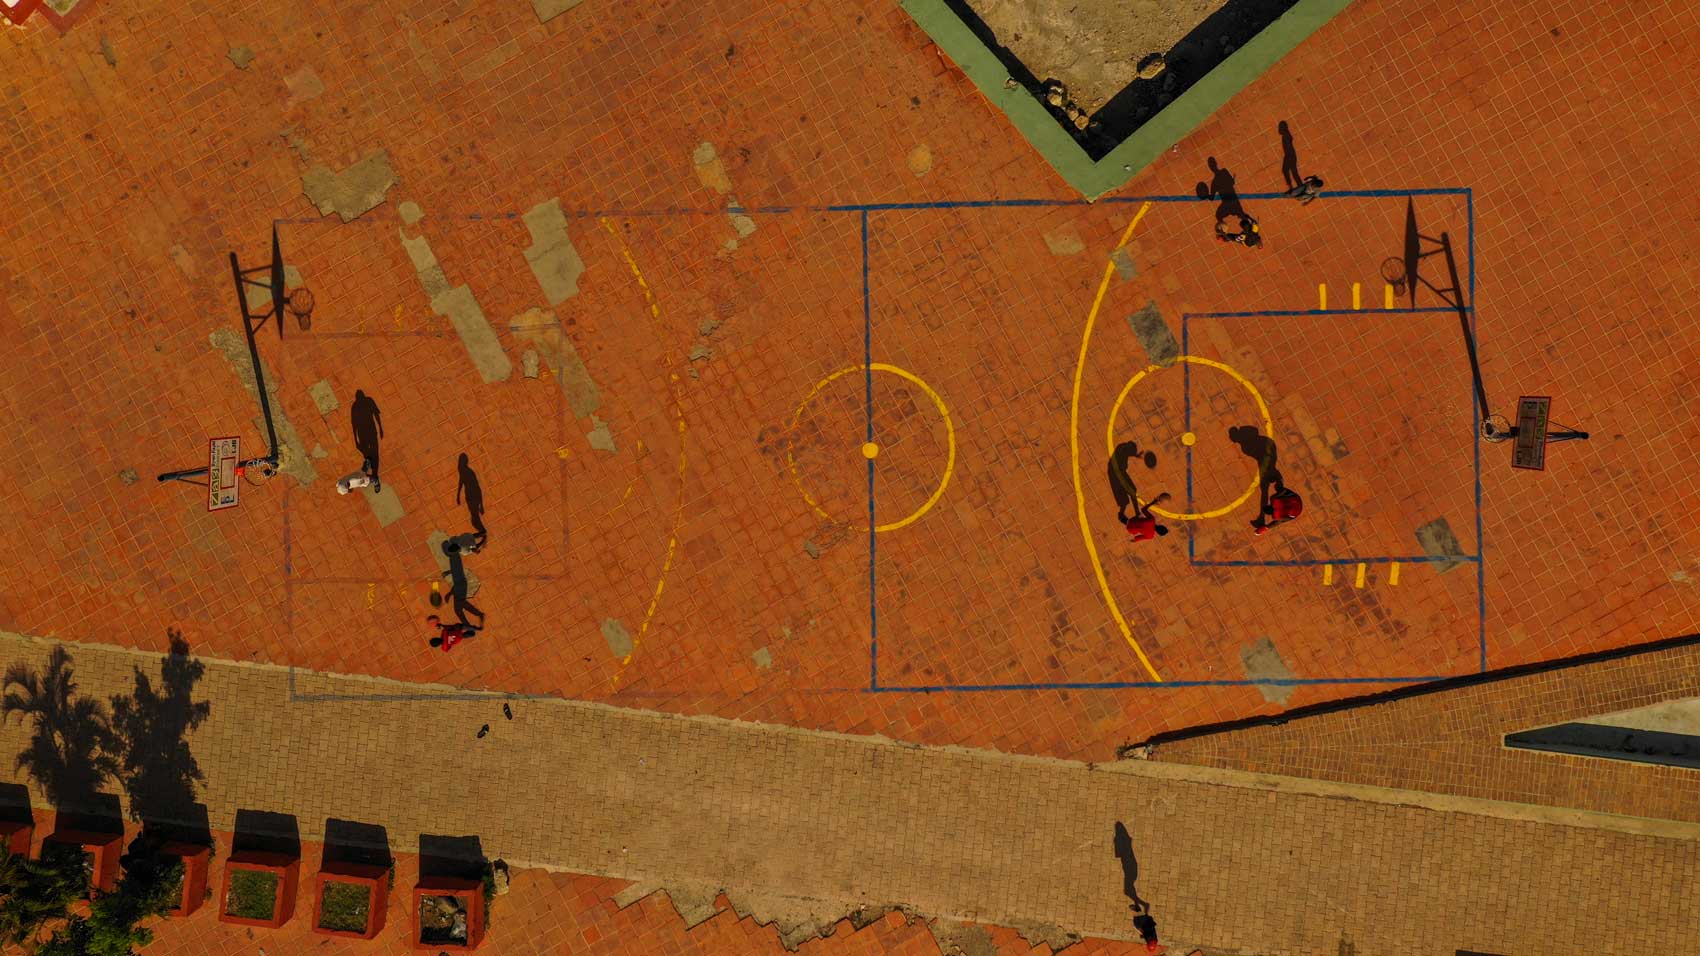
[(303, 85), (530, 364), (292, 455), (1064, 241), (354, 191), (324, 397), (1263, 663), (551, 255), (1437, 540), (1154, 335), (1123, 261), (319, 451), (434, 543), (920, 160), (618, 638), (547, 10), (538, 328), (461, 308), (600, 436), (410, 213), (710, 171), (796, 920), (180, 257), (386, 505), (240, 56), (762, 657), (962, 939), (743, 225)]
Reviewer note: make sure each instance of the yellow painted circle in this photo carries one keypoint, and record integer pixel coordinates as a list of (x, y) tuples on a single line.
[(870, 449), (1189, 439), (1262, 408)]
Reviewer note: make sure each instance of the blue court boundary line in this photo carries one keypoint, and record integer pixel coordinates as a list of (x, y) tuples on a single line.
[(1477, 558)]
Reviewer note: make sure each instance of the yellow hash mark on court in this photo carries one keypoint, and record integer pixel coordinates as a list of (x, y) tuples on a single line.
[(1074, 449), (1357, 300), (949, 437), (1387, 296), (1360, 581), (1327, 574), (1393, 575), (679, 419), (1322, 295)]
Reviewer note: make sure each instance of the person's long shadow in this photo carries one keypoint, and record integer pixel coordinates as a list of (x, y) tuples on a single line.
[(458, 584), (1289, 157), (367, 423), (474, 492), (1261, 449), (1123, 844), (152, 725), (1221, 187)]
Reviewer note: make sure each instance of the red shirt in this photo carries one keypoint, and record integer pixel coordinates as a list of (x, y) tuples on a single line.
[(1287, 507), (1142, 527), (452, 634)]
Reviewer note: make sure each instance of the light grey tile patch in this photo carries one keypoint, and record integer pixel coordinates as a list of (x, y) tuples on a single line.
[(1124, 264), (618, 638), (303, 85), (1064, 241), (1437, 539), (551, 255), (600, 436), (485, 349), (386, 505), (1154, 335), (352, 192), (324, 398), (538, 327), (529, 364), (742, 224), (547, 10), (1263, 663), (763, 658), (241, 56), (410, 213), (292, 453)]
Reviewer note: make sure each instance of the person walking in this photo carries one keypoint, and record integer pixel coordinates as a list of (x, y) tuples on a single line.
[(448, 635), (468, 484)]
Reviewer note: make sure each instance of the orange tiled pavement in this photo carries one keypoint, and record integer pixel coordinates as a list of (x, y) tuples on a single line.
[(126, 185)]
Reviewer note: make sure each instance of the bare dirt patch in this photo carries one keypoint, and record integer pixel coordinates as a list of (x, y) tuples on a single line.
[(1103, 67)]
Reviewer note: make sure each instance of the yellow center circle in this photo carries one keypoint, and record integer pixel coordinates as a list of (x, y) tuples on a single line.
[(1262, 408), (870, 449)]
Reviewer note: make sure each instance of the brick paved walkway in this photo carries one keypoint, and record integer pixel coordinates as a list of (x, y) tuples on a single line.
[(1229, 861)]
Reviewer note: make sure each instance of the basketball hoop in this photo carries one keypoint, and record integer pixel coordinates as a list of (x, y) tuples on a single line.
[(1393, 273), (300, 304), (1496, 429)]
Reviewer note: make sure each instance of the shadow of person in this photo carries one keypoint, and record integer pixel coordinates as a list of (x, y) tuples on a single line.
[(1261, 449), (468, 484), (1222, 187), (158, 770), (1123, 844), (367, 423), (1289, 157), (458, 585), (1121, 483)]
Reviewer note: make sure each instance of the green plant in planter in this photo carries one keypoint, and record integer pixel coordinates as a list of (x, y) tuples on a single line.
[(253, 894), (151, 885), (346, 907), (37, 892)]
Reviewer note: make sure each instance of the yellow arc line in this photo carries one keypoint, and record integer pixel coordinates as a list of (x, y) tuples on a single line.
[(949, 437), (1074, 450), (679, 416)]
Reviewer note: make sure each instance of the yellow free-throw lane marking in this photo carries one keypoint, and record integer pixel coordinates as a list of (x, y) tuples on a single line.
[(1074, 448), (1322, 295), (1393, 575), (1360, 581), (1262, 407), (1387, 296), (679, 420), (1357, 301), (869, 449), (1327, 574)]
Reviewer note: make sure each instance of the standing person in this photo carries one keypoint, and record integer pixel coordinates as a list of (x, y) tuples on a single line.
[(448, 635), (1121, 483), (368, 425), (1284, 505), (474, 497), (1147, 927), (1143, 525)]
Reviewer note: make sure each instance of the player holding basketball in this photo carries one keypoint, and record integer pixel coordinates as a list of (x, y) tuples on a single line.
[(1142, 526)]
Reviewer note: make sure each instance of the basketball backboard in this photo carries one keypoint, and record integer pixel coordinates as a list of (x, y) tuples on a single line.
[(1533, 414), (223, 483)]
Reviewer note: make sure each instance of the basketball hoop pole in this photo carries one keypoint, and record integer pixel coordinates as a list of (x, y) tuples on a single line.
[(250, 324)]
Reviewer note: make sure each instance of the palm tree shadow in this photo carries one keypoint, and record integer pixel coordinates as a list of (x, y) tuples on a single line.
[(151, 728), (71, 750), (77, 744)]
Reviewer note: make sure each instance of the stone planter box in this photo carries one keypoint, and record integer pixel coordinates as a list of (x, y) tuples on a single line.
[(284, 870), (17, 837), (104, 848), (337, 877), (195, 860), (465, 895)]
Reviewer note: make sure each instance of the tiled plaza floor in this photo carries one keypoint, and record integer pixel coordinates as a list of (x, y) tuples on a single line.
[(135, 155)]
